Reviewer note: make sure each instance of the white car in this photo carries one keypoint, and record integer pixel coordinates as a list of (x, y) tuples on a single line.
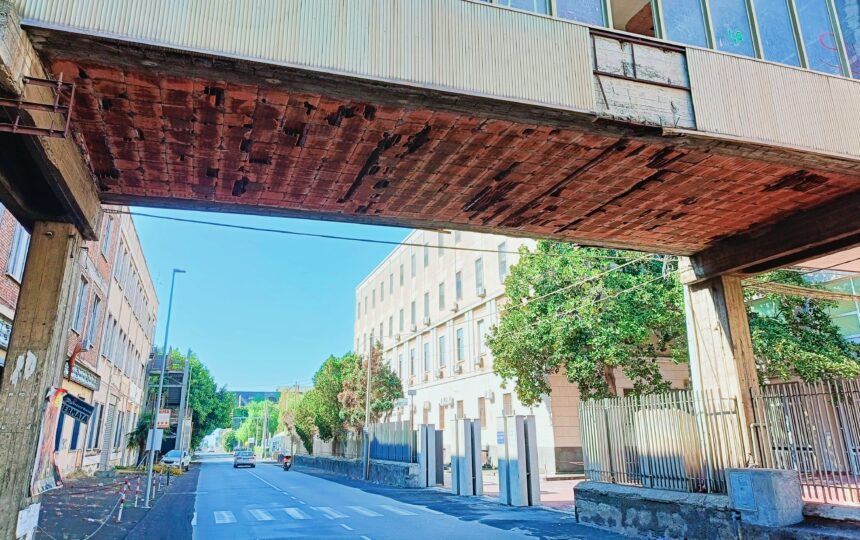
[(244, 458), (174, 459)]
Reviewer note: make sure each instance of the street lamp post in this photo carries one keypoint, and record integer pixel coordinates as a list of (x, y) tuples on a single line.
[(156, 402)]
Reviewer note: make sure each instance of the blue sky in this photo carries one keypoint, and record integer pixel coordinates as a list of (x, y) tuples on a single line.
[(260, 309)]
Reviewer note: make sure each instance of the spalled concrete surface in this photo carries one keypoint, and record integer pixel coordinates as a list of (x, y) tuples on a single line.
[(171, 128)]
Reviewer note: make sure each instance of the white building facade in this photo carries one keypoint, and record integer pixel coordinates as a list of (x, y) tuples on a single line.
[(430, 304)]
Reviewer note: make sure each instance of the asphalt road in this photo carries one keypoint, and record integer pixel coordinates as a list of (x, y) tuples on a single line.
[(266, 502)]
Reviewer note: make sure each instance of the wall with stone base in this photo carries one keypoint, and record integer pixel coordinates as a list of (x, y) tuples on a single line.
[(390, 473)]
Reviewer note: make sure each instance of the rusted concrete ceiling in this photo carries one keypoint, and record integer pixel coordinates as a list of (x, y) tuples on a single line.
[(173, 129)]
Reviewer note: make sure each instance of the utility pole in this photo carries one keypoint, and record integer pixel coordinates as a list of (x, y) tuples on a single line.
[(156, 403), (183, 400), (367, 419), (265, 427)]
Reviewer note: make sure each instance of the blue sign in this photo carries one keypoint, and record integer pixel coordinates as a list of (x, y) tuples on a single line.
[(500, 437), (77, 408)]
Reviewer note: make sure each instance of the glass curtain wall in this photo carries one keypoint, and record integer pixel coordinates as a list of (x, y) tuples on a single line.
[(822, 35)]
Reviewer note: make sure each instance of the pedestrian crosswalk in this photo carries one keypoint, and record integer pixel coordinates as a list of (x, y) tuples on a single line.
[(223, 517)]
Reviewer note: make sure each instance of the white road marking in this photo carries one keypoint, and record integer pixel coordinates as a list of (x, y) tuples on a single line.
[(273, 486), (301, 501), (261, 515), (194, 519), (330, 512), (345, 526), (295, 513), (364, 511), (224, 517), (365, 538), (396, 510)]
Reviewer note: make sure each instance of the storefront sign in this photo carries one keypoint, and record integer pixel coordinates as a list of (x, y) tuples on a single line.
[(76, 408), (163, 420)]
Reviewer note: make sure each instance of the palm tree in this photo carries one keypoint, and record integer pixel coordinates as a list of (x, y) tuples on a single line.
[(137, 437)]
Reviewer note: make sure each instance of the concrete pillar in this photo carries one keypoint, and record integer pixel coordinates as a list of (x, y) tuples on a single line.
[(37, 352), (519, 476), (720, 345)]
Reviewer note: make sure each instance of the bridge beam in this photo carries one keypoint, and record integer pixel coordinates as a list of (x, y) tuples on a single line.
[(44, 177)]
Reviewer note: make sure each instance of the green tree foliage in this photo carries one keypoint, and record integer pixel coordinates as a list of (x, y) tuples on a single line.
[(567, 313), (254, 423), (385, 389), (137, 437), (229, 440), (336, 401), (796, 336)]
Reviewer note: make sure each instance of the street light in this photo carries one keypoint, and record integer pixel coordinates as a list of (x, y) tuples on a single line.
[(156, 403)]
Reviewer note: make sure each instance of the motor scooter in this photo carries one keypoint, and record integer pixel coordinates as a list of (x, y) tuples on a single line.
[(288, 462)]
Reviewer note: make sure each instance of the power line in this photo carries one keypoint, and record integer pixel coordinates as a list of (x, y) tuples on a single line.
[(347, 238)]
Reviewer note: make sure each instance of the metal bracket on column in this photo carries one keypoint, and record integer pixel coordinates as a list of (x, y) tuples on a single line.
[(60, 109)]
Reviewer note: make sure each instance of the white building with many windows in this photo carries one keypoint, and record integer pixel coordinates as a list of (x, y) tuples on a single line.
[(430, 304)]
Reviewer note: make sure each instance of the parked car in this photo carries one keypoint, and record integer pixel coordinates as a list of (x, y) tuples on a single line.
[(175, 459), (244, 458)]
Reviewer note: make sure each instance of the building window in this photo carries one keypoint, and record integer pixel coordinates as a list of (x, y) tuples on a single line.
[(413, 267), (380, 331), (441, 417), (426, 255), (461, 413), (819, 37), (400, 366), (93, 427), (427, 305), (365, 304), (685, 22), (732, 29), (5, 333), (441, 296), (358, 309), (458, 286), (117, 435), (426, 357), (412, 361), (58, 434), (848, 12), (482, 411), (80, 306), (412, 313), (93, 322), (106, 236), (382, 291), (401, 321), (442, 351), (776, 31), (373, 298), (584, 11), (457, 237), (391, 283), (401, 275), (507, 404), (503, 261), (76, 432), (482, 329), (479, 276), (390, 325), (440, 243), (18, 255), (537, 6), (461, 345)]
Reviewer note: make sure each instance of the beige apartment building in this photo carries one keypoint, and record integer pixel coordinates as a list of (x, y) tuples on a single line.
[(431, 304), (115, 309)]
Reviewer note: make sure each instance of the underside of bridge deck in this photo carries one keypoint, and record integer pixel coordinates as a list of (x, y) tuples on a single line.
[(171, 128)]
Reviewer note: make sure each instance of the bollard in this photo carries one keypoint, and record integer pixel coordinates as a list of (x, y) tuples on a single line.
[(121, 502), (137, 492)]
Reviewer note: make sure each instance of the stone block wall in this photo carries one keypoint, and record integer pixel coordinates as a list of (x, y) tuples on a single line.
[(390, 473)]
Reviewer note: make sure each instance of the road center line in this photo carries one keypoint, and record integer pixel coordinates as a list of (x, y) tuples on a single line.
[(345, 526), (273, 486)]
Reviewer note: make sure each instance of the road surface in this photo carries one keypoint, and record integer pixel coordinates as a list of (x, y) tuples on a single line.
[(266, 502)]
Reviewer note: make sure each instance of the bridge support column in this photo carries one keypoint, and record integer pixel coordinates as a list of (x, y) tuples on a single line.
[(720, 345), (34, 364)]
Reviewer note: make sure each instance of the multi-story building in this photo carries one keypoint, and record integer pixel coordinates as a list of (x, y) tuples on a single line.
[(113, 313), (430, 308)]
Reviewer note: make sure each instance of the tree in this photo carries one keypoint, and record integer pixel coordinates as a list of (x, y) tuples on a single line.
[(586, 312), (385, 389), (137, 437), (212, 407), (229, 440), (254, 422), (323, 398), (794, 335)]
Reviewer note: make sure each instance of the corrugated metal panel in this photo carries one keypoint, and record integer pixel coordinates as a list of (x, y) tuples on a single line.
[(767, 102), (447, 44)]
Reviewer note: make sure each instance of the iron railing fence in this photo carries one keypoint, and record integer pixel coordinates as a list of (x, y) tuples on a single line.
[(391, 441), (813, 428), (680, 440)]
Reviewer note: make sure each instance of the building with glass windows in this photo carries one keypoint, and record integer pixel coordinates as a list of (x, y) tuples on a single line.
[(113, 314), (430, 305), (821, 35)]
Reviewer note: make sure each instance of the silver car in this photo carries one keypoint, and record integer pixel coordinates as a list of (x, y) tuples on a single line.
[(244, 458)]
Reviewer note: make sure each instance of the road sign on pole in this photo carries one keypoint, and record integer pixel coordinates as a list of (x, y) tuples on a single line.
[(163, 420)]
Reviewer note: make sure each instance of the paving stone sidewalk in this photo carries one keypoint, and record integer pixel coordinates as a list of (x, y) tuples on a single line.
[(88, 506)]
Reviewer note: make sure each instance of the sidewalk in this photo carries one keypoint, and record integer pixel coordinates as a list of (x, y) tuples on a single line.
[(556, 494), (87, 506)]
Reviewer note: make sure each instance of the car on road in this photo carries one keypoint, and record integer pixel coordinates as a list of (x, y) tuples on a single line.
[(175, 459), (244, 458)]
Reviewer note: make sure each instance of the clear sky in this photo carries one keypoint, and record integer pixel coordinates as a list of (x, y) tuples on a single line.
[(260, 309)]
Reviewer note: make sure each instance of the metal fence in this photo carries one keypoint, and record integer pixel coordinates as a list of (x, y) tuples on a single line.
[(815, 430), (681, 440), (393, 441)]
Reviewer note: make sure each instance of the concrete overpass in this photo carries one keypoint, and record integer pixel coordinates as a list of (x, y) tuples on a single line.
[(423, 113)]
